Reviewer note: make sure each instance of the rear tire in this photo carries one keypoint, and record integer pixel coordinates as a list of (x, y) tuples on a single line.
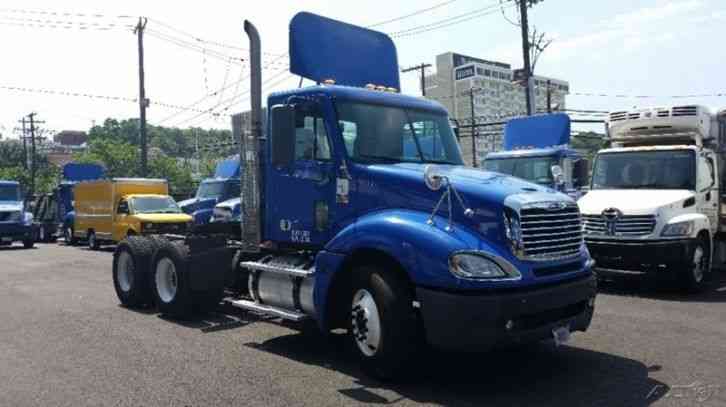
[(29, 243), (93, 243), (68, 236), (170, 285), (383, 326), (42, 235), (132, 271)]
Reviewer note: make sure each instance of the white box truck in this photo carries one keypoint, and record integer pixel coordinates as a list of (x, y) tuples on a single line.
[(655, 203)]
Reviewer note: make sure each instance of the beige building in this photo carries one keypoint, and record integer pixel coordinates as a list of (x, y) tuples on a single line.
[(496, 96)]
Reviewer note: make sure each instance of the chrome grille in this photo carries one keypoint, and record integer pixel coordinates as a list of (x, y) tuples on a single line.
[(549, 234), (626, 225)]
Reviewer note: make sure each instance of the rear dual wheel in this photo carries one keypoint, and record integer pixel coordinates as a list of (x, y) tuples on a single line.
[(171, 285), (132, 271)]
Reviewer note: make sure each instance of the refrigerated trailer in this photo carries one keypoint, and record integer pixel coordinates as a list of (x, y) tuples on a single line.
[(357, 212)]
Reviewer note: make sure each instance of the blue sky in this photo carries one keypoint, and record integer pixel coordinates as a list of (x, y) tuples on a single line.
[(648, 47)]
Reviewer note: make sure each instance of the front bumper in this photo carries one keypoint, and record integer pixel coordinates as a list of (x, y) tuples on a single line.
[(628, 257), (15, 231), (477, 322)]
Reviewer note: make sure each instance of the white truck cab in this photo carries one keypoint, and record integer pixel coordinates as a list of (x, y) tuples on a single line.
[(654, 206)]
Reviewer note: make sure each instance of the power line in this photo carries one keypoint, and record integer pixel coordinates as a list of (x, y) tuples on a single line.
[(447, 22), (61, 13), (415, 13), (703, 95)]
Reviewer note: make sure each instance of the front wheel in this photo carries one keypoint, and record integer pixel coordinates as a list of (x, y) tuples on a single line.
[(693, 278), (28, 243), (383, 323)]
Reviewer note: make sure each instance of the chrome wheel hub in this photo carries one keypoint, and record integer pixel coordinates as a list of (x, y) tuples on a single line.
[(166, 279), (125, 271), (366, 322)]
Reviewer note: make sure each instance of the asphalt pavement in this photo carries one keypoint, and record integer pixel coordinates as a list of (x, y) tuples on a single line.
[(66, 341)]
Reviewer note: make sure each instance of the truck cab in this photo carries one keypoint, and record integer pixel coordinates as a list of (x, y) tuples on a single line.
[(654, 205), (537, 149), (223, 186), (53, 213), (16, 222)]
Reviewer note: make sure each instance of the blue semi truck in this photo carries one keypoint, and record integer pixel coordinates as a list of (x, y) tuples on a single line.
[(16, 222), (223, 186), (536, 149), (343, 225), (53, 213)]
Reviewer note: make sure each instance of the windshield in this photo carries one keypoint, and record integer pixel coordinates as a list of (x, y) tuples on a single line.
[(376, 133), (210, 189), (155, 204), (9, 193), (533, 169), (645, 169)]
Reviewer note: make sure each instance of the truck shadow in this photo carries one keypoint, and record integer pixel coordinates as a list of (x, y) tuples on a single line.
[(715, 291), (537, 375), (15, 248)]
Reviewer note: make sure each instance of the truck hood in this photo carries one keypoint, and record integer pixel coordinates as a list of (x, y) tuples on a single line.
[(194, 204), (631, 201), (230, 203), (163, 217), (402, 186), (11, 206)]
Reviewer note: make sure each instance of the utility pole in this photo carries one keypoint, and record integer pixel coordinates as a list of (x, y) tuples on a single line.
[(525, 53), (474, 129), (420, 67), (31, 118), (143, 103), (25, 146)]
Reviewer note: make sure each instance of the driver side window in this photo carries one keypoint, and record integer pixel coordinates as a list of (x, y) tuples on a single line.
[(123, 208), (705, 174), (311, 139)]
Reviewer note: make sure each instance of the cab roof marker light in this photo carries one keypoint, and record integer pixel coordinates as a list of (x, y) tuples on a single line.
[(329, 82)]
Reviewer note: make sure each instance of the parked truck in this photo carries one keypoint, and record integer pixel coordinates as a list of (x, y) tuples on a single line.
[(655, 205), (223, 186), (109, 210), (536, 148), (53, 213), (341, 226), (16, 221)]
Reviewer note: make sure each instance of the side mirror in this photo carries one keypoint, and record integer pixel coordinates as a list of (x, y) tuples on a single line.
[(557, 174), (282, 135), (581, 173), (123, 208)]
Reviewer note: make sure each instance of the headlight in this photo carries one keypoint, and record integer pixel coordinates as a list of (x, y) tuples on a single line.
[(28, 218), (15, 217), (477, 267), (678, 229)]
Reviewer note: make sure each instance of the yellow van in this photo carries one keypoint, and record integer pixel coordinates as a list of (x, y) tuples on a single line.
[(109, 210)]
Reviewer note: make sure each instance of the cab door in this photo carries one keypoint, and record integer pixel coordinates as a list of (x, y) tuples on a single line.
[(707, 194), (121, 224), (300, 189)]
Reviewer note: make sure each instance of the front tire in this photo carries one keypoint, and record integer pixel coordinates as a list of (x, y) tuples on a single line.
[(29, 243), (383, 327), (132, 271), (693, 278)]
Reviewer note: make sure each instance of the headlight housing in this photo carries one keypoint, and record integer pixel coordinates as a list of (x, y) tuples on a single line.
[(513, 232), (684, 228), (477, 266)]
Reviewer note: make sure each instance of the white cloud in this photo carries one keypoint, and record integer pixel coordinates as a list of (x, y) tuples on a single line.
[(663, 11)]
